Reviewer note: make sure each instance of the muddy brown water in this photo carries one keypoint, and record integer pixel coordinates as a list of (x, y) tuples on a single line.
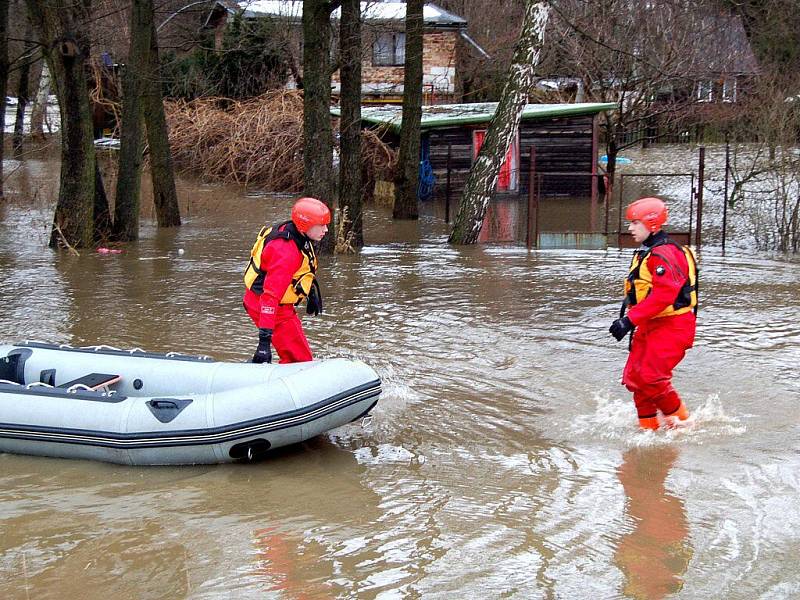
[(502, 460)]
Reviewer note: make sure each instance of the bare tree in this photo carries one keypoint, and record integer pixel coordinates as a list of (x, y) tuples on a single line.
[(23, 87), (351, 228), (407, 177), (165, 196), (39, 104), (3, 79), (649, 57), (62, 28), (129, 170), (482, 178), (317, 131)]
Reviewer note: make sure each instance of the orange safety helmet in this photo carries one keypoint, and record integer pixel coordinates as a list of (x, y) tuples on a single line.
[(650, 211), (308, 212)]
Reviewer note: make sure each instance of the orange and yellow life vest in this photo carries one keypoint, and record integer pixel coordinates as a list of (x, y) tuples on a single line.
[(302, 279), (639, 282)]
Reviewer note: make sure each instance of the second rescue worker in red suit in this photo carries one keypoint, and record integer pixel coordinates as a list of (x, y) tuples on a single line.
[(661, 299), (281, 273)]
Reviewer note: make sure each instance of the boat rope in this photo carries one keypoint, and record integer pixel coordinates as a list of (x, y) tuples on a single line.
[(34, 384)]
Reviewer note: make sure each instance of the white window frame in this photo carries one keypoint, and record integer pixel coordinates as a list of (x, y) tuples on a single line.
[(730, 89), (705, 90), (389, 49)]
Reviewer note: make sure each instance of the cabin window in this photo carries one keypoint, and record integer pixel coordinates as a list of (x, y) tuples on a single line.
[(389, 49), (508, 179)]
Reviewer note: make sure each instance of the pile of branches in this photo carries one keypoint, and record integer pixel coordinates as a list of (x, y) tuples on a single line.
[(378, 162), (256, 142)]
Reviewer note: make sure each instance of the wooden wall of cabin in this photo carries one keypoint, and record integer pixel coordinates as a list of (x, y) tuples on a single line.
[(563, 145)]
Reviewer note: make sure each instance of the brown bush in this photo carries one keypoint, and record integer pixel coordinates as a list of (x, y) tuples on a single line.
[(256, 142)]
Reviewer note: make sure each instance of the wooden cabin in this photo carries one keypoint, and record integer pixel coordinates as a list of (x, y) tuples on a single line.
[(564, 140)]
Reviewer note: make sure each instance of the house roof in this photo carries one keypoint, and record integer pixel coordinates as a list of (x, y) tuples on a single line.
[(450, 115), (433, 16), (722, 47)]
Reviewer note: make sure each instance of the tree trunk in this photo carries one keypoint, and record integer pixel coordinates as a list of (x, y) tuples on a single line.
[(129, 170), (351, 230), (39, 106), (22, 92), (317, 134), (63, 29), (3, 80), (407, 178), (102, 210), (482, 178), (165, 196)]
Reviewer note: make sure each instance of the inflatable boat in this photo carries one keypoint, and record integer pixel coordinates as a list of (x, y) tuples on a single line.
[(143, 408)]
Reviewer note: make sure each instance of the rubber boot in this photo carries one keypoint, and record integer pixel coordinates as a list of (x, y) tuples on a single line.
[(679, 415), (648, 423)]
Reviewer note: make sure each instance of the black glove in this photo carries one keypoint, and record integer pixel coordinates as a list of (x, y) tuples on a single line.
[(314, 300), (263, 352), (620, 328)]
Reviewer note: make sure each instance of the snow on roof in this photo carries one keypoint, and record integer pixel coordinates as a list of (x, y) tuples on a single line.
[(449, 115), (372, 11)]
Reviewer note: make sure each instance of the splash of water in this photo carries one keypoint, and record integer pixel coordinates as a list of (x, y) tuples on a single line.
[(613, 419)]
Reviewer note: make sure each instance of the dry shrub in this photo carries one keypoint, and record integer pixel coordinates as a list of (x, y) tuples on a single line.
[(378, 161), (256, 142)]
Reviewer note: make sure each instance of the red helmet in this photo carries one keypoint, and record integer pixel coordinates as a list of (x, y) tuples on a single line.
[(650, 211), (308, 212)]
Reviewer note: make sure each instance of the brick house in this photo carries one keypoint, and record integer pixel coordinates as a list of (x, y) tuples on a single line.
[(383, 43)]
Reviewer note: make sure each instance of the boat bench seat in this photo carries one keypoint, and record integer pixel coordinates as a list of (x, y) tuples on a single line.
[(93, 381)]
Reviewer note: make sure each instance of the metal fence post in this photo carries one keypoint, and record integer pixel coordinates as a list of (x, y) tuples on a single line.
[(701, 172), (531, 195), (447, 186), (725, 199)]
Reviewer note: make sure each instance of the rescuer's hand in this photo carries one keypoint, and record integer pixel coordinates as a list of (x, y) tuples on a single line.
[(620, 328), (314, 300), (263, 351)]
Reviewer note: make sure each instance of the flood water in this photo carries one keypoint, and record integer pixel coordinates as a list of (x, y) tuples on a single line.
[(502, 460)]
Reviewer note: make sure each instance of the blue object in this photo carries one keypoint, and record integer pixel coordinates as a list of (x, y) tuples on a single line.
[(427, 180), (621, 160)]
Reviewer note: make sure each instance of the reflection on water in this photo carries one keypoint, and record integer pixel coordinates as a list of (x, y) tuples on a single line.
[(654, 555), (492, 465)]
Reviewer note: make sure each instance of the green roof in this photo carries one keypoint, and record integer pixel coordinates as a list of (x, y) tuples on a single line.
[(450, 115)]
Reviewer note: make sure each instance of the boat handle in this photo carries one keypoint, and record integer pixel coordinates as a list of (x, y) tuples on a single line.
[(163, 404)]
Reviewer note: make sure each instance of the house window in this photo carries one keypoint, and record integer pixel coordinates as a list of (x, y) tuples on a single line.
[(389, 49), (729, 90), (705, 91), (508, 179)]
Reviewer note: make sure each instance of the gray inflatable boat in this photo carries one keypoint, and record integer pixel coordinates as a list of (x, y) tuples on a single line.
[(142, 408)]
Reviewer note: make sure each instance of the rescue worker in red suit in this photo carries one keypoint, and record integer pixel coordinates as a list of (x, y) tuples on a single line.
[(661, 302), (280, 275)]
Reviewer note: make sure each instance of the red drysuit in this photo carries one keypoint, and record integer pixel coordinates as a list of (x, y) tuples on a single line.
[(659, 343), (280, 259)]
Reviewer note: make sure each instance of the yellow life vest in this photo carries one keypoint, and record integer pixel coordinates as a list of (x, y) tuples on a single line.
[(302, 279), (639, 282)]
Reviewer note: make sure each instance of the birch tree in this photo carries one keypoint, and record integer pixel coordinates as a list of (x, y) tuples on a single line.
[(39, 106), (482, 178)]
